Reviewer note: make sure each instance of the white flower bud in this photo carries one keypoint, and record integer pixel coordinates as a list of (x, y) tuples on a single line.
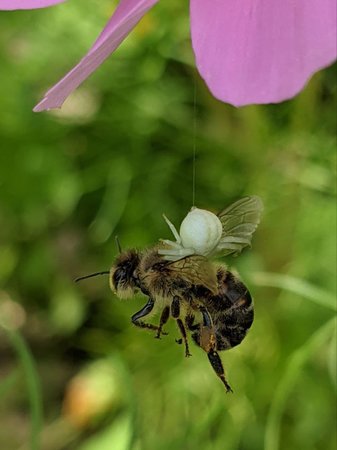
[(201, 230)]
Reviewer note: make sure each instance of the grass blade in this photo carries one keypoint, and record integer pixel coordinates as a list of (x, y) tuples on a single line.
[(33, 385), (297, 360), (297, 286)]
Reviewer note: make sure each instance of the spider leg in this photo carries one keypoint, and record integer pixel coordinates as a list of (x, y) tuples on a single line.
[(175, 253), (171, 243), (173, 229)]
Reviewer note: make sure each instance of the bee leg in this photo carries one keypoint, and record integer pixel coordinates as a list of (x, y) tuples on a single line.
[(175, 307), (207, 320), (184, 335), (189, 319), (142, 313), (216, 363), (175, 311), (163, 319), (207, 342), (207, 339), (189, 322)]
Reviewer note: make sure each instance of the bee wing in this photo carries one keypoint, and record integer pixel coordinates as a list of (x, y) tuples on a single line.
[(197, 270), (239, 221)]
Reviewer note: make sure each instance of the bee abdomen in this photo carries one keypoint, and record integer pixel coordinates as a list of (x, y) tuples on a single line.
[(231, 325), (233, 311), (227, 338)]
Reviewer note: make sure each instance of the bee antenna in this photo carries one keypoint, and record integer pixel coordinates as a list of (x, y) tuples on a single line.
[(106, 272), (118, 244)]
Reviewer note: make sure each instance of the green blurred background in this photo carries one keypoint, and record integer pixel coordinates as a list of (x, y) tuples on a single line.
[(74, 373)]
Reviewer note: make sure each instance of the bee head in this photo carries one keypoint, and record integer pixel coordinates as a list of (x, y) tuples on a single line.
[(123, 277)]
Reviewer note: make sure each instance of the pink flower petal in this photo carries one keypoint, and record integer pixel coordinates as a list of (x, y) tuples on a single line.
[(261, 51), (27, 4), (127, 14)]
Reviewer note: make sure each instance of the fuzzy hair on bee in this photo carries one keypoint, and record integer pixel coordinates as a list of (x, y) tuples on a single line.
[(181, 281)]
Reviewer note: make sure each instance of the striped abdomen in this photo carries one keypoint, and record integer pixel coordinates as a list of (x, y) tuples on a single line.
[(232, 310)]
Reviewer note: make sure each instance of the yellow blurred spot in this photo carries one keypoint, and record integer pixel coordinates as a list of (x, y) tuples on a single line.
[(81, 106), (12, 314), (91, 394), (80, 403), (145, 26)]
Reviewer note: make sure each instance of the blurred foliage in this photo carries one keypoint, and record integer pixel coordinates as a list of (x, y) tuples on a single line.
[(116, 157)]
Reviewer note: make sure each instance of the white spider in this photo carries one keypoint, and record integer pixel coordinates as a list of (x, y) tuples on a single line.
[(204, 233), (200, 233)]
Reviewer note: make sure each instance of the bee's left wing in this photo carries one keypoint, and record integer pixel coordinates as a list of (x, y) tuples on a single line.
[(239, 221), (197, 270)]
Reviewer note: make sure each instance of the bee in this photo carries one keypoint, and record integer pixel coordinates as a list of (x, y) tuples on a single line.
[(181, 281)]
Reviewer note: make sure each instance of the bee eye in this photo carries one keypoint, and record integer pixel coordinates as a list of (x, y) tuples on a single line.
[(119, 276)]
